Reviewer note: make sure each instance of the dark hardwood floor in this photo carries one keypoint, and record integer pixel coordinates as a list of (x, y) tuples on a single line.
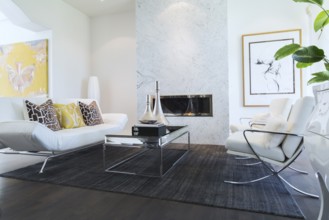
[(33, 201)]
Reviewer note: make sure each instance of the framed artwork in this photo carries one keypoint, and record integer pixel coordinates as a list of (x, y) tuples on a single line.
[(264, 78), (24, 69)]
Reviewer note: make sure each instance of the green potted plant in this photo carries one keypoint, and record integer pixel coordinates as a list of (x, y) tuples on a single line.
[(306, 56)]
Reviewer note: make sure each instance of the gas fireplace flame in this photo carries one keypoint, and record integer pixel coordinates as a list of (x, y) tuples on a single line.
[(189, 114)]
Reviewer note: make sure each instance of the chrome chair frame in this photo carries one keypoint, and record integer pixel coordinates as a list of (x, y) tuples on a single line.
[(274, 172)]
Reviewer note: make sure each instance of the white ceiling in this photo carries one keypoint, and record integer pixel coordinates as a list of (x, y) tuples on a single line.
[(94, 8)]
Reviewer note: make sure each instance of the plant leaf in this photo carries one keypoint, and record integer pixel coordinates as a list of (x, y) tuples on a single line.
[(316, 2), (319, 77), (300, 65), (321, 20), (327, 66), (286, 51), (311, 54)]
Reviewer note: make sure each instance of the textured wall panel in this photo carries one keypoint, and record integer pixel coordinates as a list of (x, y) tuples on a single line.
[(183, 45)]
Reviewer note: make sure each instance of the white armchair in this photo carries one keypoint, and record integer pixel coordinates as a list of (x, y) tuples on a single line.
[(280, 143), (278, 107)]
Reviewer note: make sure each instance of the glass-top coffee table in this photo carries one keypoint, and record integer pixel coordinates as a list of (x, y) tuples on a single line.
[(151, 156)]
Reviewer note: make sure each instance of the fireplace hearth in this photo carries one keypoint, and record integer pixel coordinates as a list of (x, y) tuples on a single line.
[(187, 105)]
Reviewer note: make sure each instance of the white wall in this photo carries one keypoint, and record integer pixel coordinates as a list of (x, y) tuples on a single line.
[(70, 66), (247, 17), (113, 60)]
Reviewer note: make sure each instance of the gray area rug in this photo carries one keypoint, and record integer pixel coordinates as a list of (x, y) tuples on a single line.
[(197, 178)]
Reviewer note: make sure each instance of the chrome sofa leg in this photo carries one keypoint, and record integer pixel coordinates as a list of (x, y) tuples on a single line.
[(43, 165)]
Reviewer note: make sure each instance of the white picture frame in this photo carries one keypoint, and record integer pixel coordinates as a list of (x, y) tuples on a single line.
[(264, 78)]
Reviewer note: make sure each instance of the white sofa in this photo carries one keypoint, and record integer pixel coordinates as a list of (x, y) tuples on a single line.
[(23, 135)]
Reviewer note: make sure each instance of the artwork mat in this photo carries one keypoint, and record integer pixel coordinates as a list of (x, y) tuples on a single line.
[(282, 37)]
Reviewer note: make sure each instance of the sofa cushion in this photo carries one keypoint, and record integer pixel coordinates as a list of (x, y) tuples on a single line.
[(69, 115), (91, 113), (44, 114), (22, 135)]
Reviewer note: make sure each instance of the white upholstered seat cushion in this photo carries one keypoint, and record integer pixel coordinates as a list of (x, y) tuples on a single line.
[(24, 135), (237, 142), (72, 138)]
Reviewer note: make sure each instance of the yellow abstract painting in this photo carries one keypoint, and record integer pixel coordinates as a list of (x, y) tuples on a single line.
[(24, 69)]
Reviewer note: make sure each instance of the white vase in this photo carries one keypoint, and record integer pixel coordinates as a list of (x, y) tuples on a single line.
[(148, 117), (93, 88), (157, 111)]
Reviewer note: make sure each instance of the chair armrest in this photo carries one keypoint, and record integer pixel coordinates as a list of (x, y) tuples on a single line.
[(321, 135), (272, 132)]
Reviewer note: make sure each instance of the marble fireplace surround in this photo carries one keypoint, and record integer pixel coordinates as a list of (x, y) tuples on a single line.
[(183, 45)]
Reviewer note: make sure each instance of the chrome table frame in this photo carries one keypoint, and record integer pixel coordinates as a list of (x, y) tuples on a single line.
[(147, 143)]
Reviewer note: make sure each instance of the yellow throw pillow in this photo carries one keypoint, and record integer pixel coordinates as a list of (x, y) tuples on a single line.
[(69, 115)]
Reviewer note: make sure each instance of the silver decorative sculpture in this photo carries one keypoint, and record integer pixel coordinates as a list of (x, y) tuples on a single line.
[(157, 111), (148, 117)]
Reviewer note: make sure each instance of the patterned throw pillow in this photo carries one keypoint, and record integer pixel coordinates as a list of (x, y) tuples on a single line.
[(44, 114), (91, 114), (69, 115)]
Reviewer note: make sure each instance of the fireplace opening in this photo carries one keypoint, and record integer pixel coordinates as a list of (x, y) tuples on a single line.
[(186, 105)]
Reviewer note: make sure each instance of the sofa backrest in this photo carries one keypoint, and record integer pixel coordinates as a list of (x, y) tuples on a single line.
[(11, 109), (75, 100)]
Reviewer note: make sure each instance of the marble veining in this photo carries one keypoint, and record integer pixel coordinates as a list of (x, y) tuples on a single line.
[(183, 45)]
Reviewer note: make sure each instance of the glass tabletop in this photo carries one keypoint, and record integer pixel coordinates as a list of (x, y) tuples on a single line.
[(173, 132)]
